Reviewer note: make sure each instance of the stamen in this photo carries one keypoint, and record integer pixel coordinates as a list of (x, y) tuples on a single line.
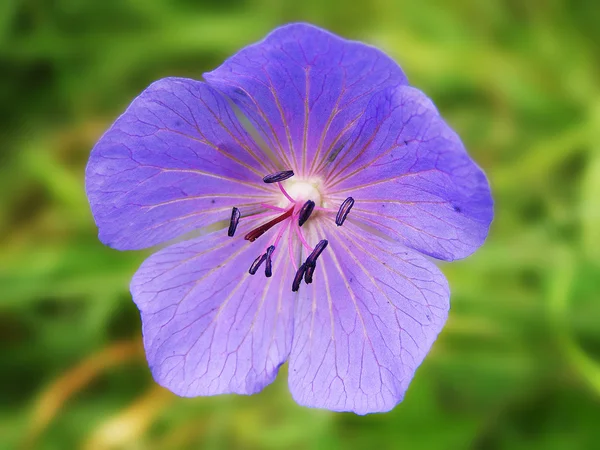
[(305, 212), (256, 264), (308, 275), (343, 211), (312, 258), (290, 246), (301, 237), (233, 222), (262, 229), (285, 194), (298, 278), (268, 268), (275, 243), (278, 176), (311, 262)]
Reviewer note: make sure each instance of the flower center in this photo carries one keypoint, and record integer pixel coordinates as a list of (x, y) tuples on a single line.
[(301, 191), (298, 200)]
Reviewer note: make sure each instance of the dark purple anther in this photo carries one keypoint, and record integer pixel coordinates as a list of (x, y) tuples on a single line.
[(343, 211), (256, 264), (310, 269), (298, 278), (312, 258), (278, 176), (305, 212), (233, 222), (268, 268)]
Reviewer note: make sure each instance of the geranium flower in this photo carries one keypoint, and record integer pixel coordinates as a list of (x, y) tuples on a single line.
[(323, 218)]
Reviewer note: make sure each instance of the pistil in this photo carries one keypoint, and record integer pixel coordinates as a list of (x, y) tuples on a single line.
[(262, 229)]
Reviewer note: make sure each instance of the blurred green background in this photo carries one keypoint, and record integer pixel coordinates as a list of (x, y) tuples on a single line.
[(518, 364)]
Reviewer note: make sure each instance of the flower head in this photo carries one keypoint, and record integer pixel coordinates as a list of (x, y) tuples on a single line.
[(319, 257)]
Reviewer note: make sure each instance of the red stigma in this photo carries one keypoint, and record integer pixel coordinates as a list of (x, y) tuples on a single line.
[(262, 229)]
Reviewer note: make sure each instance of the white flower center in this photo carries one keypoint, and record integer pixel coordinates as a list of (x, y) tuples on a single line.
[(302, 191)]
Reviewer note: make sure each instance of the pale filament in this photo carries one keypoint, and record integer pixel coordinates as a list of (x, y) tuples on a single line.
[(291, 252), (284, 192), (275, 242), (301, 236)]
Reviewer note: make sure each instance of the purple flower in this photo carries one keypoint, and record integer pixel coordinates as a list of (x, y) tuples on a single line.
[(323, 218)]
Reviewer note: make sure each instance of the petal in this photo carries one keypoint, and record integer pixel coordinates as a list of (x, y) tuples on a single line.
[(209, 327), (365, 324), (303, 88), (412, 179), (177, 159)]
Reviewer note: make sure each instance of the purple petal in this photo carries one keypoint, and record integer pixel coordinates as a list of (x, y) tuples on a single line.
[(303, 88), (209, 327), (412, 178), (365, 324), (177, 159)]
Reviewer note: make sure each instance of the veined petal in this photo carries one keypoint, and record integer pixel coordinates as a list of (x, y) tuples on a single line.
[(365, 324), (412, 178), (303, 88), (177, 159), (209, 327)]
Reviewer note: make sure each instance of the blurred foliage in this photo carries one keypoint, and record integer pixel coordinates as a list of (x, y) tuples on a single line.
[(517, 365)]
